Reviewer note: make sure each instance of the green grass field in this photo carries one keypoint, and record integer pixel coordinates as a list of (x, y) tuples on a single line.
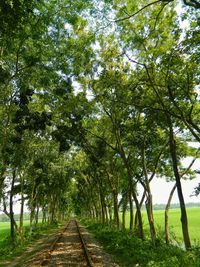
[(8, 252), (174, 222), (5, 229)]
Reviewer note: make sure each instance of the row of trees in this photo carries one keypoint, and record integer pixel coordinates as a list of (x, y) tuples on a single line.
[(87, 114), (38, 59)]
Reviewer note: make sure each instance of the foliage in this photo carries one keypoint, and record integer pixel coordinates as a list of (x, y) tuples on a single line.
[(9, 251), (88, 114), (131, 251)]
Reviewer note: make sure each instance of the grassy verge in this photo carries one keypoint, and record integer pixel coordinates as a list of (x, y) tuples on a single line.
[(132, 251), (174, 223), (9, 250)]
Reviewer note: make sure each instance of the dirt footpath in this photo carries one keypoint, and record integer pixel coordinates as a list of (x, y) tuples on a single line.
[(67, 251)]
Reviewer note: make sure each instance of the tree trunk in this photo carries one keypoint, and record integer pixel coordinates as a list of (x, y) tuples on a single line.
[(149, 202), (12, 220), (132, 191), (167, 215), (110, 212), (96, 213), (106, 212), (141, 203), (36, 215), (31, 219), (149, 209), (131, 210), (184, 220), (44, 218), (102, 208), (21, 219), (130, 181), (53, 206), (169, 203), (116, 212), (139, 215), (7, 213), (124, 207)]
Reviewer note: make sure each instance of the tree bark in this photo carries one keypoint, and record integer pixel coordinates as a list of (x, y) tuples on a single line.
[(44, 217), (8, 214), (169, 203), (116, 212), (139, 215), (149, 202), (12, 220), (36, 215), (124, 207), (167, 215), (110, 213), (184, 220), (131, 210), (21, 219)]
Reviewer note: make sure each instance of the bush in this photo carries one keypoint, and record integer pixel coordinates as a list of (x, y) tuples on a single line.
[(8, 249), (129, 250)]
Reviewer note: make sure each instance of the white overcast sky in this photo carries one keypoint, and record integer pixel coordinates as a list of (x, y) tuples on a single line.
[(161, 189)]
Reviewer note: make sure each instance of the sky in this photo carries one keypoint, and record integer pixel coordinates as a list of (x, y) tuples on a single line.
[(161, 189)]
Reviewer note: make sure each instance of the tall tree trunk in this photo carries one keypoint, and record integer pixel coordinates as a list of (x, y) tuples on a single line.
[(110, 212), (102, 208), (106, 212), (167, 215), (139, 214), (131, 210), (149, 209), (96, 213), (133, 193), (53, 207), (31, 218), (141, 203), (116, 212), (44, 217), (12, 220), (169, 203), (130, 177), (124, 207), (149, 202), (7, 213), (36, 214), (184, 220), (21, 218)]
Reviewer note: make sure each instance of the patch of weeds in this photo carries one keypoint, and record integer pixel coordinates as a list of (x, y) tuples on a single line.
[(9, 250), (129, 250)]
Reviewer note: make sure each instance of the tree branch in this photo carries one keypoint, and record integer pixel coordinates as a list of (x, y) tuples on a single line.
[(144, 7)]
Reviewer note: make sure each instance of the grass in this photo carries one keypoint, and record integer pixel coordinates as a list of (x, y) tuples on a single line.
[(5, 228), (129, 250), (175, 223), (8, 250)]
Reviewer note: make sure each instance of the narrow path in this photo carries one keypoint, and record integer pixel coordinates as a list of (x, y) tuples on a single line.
[(66, 249)]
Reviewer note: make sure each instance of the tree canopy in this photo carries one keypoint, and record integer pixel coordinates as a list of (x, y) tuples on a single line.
[(96, 98)]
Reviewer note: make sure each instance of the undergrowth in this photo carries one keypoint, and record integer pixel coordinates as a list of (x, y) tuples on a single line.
[(130, 251), (9, 250)]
